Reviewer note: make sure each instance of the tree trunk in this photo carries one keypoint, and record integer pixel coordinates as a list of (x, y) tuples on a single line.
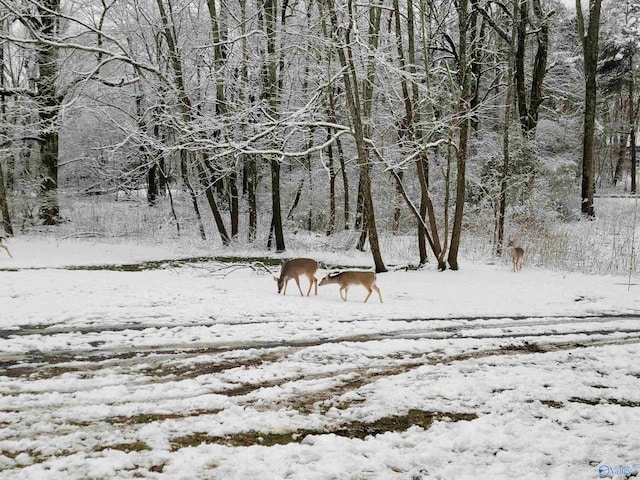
[(539, 66), (360, 222), (615, 172), (184, 170), (463, 134), (4, 204), (422, 164), (331, 223), (632, 138), (184, 104), (521, 18), (48, 110), (221, 108), (49, 209), (251, 178), (620, 153), (360, 109), (343, 168), (152, 184), (234, 205), (276, 209), (528, 114), (405, 127), (589, 39), (422, 234), (397, 213), (296, 200), (477, 39), (271, 96), (209, 190), (632, 134), (502, 207)]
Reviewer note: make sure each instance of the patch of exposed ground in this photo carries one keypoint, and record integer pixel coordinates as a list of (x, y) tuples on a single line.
[(355, 429)]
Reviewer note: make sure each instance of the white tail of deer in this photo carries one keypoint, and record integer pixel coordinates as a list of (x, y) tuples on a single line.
[(346, 279), (3, 244), (293, 269), (517, 254)]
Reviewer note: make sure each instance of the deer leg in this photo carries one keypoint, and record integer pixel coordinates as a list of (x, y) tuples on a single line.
[(312, 280), (375, 287), (344, 298), (368, 288), (7, 250), (298, 283)]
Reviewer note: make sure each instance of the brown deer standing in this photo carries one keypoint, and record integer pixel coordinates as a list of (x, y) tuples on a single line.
[(517, 254), (293, 269), (346, 279), (3, 244)]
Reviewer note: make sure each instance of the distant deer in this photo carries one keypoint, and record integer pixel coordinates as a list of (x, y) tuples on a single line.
[(517, 254), (293, 269), (3, 244), (346, 279)]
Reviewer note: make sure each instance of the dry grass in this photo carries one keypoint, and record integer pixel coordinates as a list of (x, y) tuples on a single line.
[(606, 245)]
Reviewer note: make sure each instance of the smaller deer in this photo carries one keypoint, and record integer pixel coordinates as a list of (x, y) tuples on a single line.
[(517, 254), (292, 269), (346, 279), (3, 244)]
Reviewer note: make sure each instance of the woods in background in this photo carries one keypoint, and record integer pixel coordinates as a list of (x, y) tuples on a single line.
[(421, 117)]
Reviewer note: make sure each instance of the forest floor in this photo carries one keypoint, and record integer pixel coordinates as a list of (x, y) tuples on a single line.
[(198, 369)]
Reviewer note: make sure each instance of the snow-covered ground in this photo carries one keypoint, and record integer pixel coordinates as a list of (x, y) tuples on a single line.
[(202, 371)]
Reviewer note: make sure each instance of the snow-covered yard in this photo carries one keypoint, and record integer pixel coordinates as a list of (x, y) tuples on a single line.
[(200, 371)]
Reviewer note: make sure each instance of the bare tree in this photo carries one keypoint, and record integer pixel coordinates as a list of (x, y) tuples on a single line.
[(462, 113), (40, 21), (528, 111), (589, 39), (359, 104), (4, 204), (270, 20), (185, 108)]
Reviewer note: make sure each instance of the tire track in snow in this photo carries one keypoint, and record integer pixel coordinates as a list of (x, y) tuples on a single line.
[(460, 323), (100, 351)]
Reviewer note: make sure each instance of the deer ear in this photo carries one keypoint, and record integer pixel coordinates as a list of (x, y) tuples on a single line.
[(275, 278)]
